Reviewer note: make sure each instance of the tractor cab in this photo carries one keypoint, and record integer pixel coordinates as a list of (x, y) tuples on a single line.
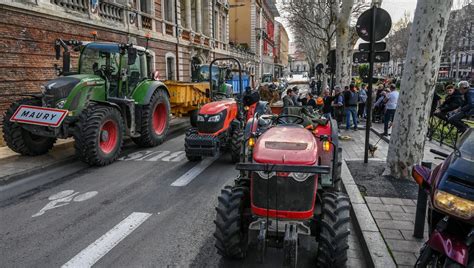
[(217, 76)]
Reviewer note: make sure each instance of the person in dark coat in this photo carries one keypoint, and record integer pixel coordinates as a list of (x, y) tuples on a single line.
[(467, 107), (452, 101)]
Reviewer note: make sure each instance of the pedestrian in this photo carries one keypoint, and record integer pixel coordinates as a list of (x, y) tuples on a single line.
[(390, 107), (362, 101), (452, 101), (312, 85), (310, 101), (351, 99), (338, 104), (467, 108), (288, 98), (327, 107), (296, 97)]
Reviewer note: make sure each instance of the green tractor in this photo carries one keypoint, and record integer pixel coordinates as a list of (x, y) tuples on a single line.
[(112, 95)]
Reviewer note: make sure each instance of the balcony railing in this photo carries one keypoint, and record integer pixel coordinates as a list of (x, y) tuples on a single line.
[(75, 5), (111, 11)]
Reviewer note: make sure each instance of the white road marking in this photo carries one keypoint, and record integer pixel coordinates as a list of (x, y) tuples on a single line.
[(187, 177), (95, 251), (64, 198)]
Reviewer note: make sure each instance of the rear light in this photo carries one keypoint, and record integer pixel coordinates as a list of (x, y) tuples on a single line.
[(326, 146), (251, 141), (417, 177)]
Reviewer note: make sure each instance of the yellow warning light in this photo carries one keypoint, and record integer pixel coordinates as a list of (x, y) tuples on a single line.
[(326, 146)]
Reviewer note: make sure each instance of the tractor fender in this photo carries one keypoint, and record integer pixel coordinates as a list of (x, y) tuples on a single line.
[(144, 91), (107, 103)]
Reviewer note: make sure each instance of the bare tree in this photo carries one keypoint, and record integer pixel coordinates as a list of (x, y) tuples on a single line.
[(417, 86)]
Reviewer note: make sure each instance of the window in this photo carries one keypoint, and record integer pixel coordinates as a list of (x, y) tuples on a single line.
[(223, 28), (170, 66), (169, 10), (145, 6)]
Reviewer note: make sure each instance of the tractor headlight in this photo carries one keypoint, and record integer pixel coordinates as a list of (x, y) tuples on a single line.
[(214, 118), (456, 205), (200, 118), (300, 176), (60, 104), (265, 175)]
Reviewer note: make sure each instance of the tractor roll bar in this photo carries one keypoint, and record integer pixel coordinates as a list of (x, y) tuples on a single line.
[(241, 84), (283, 168)]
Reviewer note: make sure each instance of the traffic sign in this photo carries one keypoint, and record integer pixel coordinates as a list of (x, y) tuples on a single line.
[(383, 24), (363, 57), (365, 47)]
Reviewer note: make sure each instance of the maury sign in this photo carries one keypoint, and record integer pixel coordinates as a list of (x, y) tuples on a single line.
[(39, 116)]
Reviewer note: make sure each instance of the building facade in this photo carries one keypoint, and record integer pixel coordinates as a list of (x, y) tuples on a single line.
[(183, 33), (281, 50)]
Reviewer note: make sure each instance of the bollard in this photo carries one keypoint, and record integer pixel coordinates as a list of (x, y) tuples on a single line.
[(421, 202)]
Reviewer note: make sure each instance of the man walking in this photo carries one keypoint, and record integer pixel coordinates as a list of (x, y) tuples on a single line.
[(338, 104), (351, 100), (362, 101), (390, 106)]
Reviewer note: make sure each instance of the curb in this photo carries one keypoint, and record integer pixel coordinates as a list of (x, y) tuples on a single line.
[(373, 245), (180, 125)]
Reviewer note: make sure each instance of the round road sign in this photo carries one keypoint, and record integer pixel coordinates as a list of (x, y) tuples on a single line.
[(383, 23)]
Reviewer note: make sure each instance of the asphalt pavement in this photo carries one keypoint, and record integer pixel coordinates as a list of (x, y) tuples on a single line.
[(152, 208)]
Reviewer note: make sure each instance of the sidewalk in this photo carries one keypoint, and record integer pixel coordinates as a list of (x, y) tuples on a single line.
[(389, 203), (15, 166)]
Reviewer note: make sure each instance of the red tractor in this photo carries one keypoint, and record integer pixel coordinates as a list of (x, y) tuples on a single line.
[(288, 191), (219, 124)]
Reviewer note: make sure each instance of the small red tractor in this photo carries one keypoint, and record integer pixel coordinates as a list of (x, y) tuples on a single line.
[(288, 191), (220, 123)]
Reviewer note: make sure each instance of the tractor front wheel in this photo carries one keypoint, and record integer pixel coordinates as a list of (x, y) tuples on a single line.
[(21, 140), (99, 135), (231, 222), (155, 120), (236, 145), (333, 239)]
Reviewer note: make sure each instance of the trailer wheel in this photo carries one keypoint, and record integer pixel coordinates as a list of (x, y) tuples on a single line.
[(236, 145), (231, 222), (155, 120), (99, 135), (21, 140), (333, 239)]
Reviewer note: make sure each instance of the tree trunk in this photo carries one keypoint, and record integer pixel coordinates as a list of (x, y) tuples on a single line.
[(417, 86), (343, 42)]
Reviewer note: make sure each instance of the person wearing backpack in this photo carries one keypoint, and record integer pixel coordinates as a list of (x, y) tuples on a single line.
[(351, 101)]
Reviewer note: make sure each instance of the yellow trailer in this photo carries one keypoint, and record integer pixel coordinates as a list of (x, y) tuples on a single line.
[(186, 97)]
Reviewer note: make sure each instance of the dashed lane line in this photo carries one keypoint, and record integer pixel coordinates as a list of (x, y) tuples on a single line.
[(95, 251), (187, 177)]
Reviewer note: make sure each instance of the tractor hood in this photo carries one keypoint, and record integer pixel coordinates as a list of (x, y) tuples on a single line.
[(60, 88), (292, 145), (218, 106)]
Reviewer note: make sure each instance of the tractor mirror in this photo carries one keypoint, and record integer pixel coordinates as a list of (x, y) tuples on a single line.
[(132, 55), (57, 49)]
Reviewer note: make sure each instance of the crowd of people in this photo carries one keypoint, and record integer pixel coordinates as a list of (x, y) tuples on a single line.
[(348, 105)]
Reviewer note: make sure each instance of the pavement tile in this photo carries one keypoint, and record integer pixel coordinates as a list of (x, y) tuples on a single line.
[(409, 209), (404, 258), (364, 218), (373, 200), (382, 215), (381, 207), (391, 234), (395, 225), (402, 216), (408, 202), (391, 201), (408, 235), (403, 245)]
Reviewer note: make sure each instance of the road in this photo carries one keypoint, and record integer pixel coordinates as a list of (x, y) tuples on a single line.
[(151, 208)]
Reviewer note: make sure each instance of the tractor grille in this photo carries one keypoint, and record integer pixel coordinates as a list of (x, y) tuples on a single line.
[(211, 127), (58, 89), (283, 193), (201, 145)]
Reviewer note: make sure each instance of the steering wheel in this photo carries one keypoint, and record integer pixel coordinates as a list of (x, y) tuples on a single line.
[(296, 119), (108, 69)]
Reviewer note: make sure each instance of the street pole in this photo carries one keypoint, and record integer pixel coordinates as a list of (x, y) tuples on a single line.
[(371, 74)]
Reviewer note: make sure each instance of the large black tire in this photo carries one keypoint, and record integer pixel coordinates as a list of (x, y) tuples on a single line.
[(333, 239), (236, 145), (89, 135), (231, 223), (158, 109), (191, 158), (21, 140)]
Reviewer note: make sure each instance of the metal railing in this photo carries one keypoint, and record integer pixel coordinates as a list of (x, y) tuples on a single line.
[(111, 11), (75, 5), (442, 131)]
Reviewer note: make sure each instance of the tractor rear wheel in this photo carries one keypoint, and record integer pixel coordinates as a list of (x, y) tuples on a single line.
[(236, 145), (231, 223), (21, 140), (333, 239), (99, 135), (155, 120)]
